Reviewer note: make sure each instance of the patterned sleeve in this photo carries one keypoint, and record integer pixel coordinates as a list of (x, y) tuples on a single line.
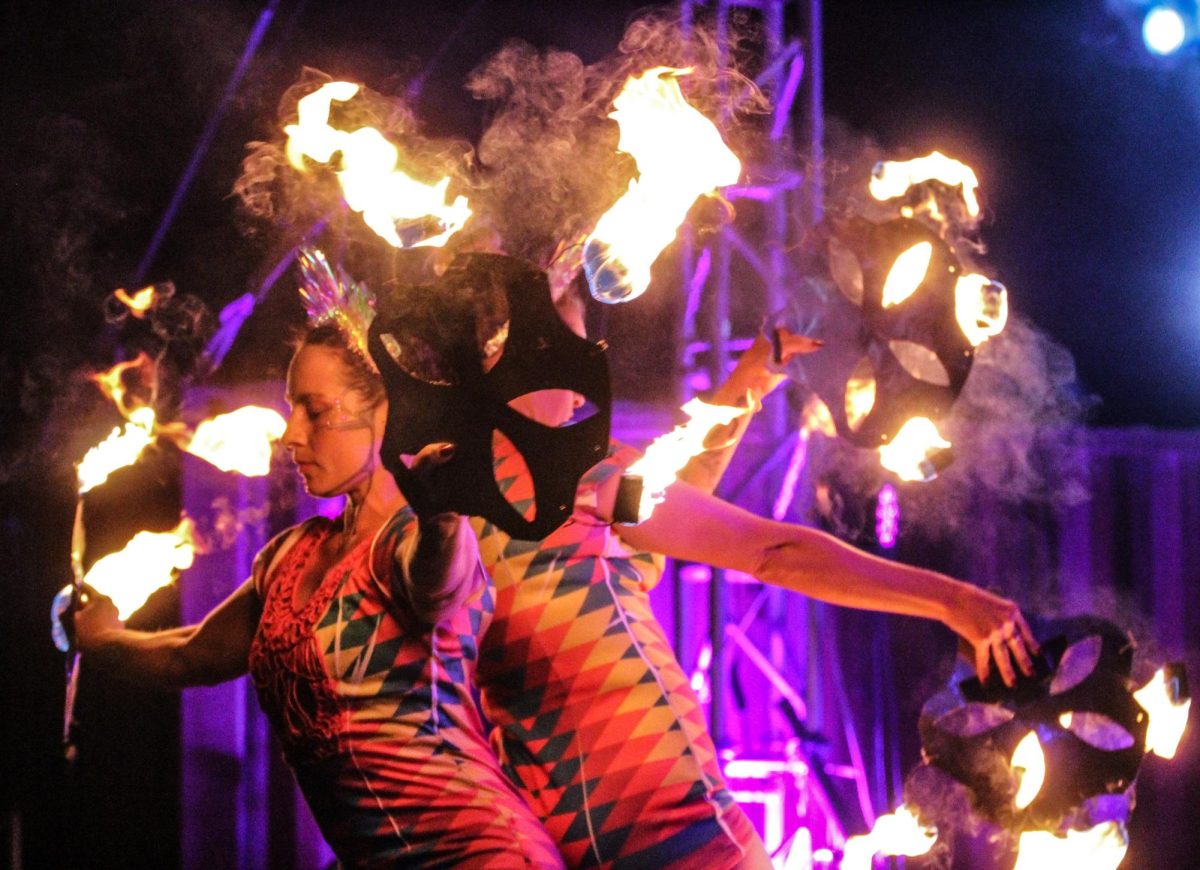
[(269, 556), (416, 597)]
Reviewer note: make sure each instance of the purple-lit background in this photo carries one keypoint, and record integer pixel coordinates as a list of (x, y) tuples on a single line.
[(125, 125)]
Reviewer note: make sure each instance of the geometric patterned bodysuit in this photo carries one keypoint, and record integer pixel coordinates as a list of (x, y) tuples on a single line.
[(593, 716), (376, 718)]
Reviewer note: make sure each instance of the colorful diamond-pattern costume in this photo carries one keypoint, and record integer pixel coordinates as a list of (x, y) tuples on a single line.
[(376, 717), (594, 718)]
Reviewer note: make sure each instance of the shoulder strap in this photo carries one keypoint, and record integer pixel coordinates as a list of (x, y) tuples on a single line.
[(272, 554)]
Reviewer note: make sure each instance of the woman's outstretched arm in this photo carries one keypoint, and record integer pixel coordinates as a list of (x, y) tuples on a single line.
[(695, 526), (212, 652), (756, 374)]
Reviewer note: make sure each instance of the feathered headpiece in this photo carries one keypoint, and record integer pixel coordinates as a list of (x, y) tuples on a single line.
[(331, 296)]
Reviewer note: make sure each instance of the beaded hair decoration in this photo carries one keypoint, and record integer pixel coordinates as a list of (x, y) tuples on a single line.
[(331, 296)]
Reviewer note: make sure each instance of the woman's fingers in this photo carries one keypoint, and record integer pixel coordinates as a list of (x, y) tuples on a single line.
[(788, 344)]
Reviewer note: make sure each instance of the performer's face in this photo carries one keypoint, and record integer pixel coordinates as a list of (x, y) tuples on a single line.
[(333, 432)]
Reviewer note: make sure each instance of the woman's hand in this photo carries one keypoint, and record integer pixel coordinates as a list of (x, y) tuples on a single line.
[(94, 616), (418, 483), (994, 628)]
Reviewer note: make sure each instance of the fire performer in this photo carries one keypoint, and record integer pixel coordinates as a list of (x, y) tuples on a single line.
[(361, 635), (594, 717)]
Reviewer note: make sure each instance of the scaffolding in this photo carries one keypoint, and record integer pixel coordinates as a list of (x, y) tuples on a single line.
[(786, 200)]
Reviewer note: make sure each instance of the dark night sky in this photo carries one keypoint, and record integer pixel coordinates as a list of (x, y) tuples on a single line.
[(1087, 156), (1085, 151)]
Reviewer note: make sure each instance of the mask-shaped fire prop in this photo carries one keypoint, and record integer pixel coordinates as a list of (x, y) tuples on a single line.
[(505, 342), (902, 331), (1053, 760)]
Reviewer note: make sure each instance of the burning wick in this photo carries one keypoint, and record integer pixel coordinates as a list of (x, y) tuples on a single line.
[(1029, 764), (670, 452), (890, 179), (906, 274), (981, 307), (396, 206), (680, 156), (913, 454), (139, 303), (897, 833), (1167, 700), (147, 563)]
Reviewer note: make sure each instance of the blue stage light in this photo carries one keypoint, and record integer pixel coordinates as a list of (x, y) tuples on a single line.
[(1164, 30)]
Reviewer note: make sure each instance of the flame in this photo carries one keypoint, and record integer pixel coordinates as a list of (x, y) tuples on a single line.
[(1100, 848), (239, 441), (680, 156), (891, 178), (1168, 714), (139, 303), (670, 452), (907, 273), (146, 564), (897, 833), (907, 454), (981, 307), (122, 447), (816, 417), (371, 182), (1029, 759), (860, 393), (112, 381)]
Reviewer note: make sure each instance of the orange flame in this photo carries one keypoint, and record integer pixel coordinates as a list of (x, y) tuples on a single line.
[(1100, 848), (1168, 715), (147, 563), (122, 447), (239, 441), (897, 833), (907, 454), (371, 182), (891, 179), (816, 417), (1030, 760), (981, 307), (112, 381), (907, 273), (670, 452), (680, 156), (139, 303)]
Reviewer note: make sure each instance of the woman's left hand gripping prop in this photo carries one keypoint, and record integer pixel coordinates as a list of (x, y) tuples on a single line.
[(440, 565)]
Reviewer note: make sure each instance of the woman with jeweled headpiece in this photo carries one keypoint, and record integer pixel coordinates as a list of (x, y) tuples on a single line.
[(360, 632)]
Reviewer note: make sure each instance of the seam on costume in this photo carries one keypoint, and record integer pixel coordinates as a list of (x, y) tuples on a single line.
[(378, 802), (587, 810), (708, 797)]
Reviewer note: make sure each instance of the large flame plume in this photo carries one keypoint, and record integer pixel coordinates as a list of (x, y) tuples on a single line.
[(670, 452), (372, 183), (147, 563), (891, 179), (1168, 714), (239, 441), (680, 156), (122, 447), (1100, 848), (897, 833)]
